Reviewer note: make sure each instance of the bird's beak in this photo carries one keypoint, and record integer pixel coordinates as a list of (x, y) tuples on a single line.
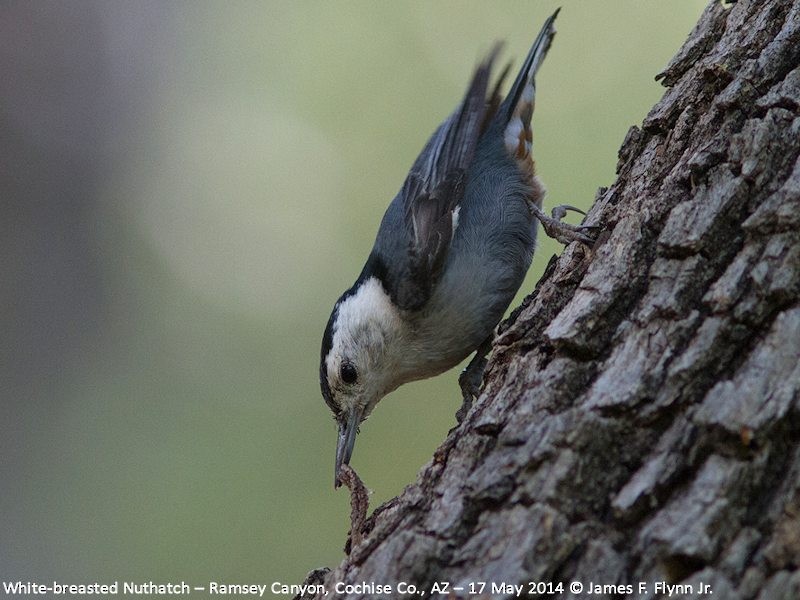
[(346, 441)]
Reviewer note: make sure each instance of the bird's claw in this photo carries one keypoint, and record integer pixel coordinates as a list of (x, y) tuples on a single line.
[(560, 211), (471, 378), (564, 232), (470, 383)]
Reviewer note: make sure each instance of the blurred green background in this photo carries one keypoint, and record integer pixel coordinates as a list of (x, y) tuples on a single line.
[(186, 189)]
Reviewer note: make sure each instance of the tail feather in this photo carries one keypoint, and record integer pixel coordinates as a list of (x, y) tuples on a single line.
[(495, 99), (517, 108), (527, 74)]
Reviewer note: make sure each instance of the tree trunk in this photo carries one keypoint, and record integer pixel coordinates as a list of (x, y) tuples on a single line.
[(640, 420)]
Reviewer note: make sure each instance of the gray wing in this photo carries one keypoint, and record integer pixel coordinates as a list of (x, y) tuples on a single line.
[(423, 216)]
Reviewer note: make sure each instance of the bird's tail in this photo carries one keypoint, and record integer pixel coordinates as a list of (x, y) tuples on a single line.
[(517, 108)]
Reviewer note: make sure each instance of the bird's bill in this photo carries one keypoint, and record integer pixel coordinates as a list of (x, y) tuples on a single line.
[(346, 441)]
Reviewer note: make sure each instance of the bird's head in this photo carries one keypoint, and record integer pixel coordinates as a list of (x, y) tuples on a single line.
[(357, 368)]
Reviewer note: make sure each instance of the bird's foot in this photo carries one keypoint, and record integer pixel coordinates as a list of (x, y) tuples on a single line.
[(471, 378), (470, 388), (564, 232)]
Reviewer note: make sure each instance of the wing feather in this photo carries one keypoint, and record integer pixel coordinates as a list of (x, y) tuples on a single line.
[(434, 189)]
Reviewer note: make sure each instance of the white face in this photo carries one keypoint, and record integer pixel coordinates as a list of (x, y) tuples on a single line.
[(360, 366)]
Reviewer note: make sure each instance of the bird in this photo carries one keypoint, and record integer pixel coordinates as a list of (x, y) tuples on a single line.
[(451, 252)]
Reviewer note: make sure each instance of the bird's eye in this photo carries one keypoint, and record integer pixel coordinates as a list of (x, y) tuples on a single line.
[(348, 373)]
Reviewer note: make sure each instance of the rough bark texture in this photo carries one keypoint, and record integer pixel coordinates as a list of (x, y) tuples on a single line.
[(640, 419)]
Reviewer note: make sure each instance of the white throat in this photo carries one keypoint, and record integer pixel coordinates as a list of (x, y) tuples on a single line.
[(365, 331)]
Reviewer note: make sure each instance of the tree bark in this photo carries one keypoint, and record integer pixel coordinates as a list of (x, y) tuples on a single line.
[(640, 420)]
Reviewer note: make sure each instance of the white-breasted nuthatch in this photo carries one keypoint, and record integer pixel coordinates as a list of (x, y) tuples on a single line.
[(451, 252)]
